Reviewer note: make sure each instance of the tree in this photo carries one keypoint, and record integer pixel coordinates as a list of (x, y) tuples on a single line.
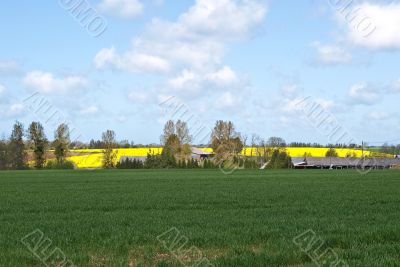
[(254, 148), (171, 147), (169, 129), (176, 140), (61, 142), (182, 132), (331, 153), (225, 141), (3, 155), (264, 151), (276, 142), (17, 154), (38, 143), (280, 160), (109, 144)]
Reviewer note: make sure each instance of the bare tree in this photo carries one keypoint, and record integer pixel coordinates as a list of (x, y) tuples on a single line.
[(182, 131), (169, 129), (276, 142)]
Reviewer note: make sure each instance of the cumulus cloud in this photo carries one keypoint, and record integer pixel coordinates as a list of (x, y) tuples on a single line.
[(2, 89), (45, 82), (373, 25), (223, 77), (190, 50), (331, 54), (91, 110), (9, 67), (11, 110), (192, 81), (378, 115), (228, 19), (125, 9), (139, 97), (16, 109), (395, 87), (363, 94), (227, 100), (131, 61)]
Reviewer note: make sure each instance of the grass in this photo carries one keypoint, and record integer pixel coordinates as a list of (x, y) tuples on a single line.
[(113, 218)]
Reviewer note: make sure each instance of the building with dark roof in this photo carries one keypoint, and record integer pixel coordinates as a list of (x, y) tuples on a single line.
[(344, 163)]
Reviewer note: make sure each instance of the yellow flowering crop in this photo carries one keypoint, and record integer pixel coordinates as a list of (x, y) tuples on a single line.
[(92, 158)]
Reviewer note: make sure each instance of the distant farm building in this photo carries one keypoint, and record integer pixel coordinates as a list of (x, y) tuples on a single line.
[(344, 163), (199, 154)]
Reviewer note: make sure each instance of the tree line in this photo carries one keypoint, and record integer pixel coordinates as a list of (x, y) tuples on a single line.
[(227, 144), (13, 151)]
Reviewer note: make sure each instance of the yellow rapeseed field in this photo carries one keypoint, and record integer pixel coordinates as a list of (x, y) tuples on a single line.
[(92, 158)]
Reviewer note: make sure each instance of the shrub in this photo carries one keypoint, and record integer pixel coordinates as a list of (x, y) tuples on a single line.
[(251, 164), (280, 160), (130, 164), (54, 165)]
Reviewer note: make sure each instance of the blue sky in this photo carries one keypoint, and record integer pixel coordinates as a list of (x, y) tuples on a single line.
[(249, 61)]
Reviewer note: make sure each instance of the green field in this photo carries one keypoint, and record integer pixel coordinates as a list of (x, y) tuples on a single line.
[(113, 218)]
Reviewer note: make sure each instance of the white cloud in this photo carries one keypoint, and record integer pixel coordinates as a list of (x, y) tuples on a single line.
[(363, 94), (125, 9), (139, 97), (375, 25), (291, 105), (229, 19), (395, 87), (91, 110), (290, 90), (131, 61), (2, 89), (196, 82), (9, 67), (185, 79), (227, 100), (196, 41), (189, 51), (11, 110), (16, 109), (378, 115), (223, 77), (45, 82), (332, 54)]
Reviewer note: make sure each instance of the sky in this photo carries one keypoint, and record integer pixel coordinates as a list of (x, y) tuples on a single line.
[(115, 64)]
